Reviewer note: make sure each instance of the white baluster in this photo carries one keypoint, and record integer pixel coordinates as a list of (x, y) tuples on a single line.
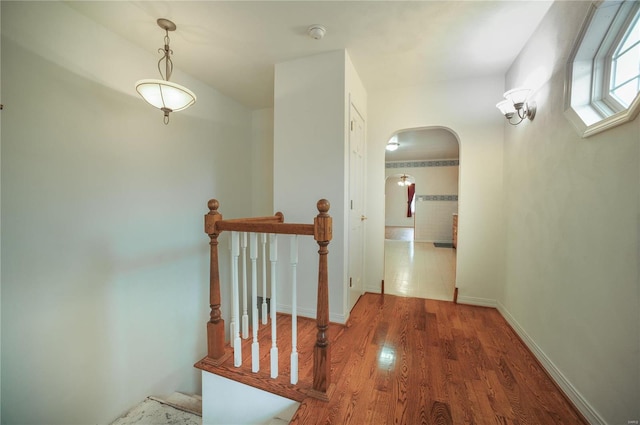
[(255, 347), (263, 239), (237, 343), (294, 313), (245, 315), (273, 257), (232, 324)]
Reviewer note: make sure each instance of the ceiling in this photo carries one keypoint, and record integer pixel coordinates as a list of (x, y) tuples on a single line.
[(425, 144), (234, 45)]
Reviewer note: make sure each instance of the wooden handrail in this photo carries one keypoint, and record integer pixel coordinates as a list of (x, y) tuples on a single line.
[(255, 227), (321, 230)]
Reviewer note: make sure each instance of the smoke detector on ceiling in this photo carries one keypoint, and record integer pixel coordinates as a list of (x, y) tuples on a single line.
[(316, 31)]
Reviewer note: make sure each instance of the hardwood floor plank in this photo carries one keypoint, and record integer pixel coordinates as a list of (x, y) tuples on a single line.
[(440, 414), (413, 361)]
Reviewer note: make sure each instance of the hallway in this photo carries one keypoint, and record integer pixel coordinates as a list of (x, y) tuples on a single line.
[(418, 269), (412, 361)]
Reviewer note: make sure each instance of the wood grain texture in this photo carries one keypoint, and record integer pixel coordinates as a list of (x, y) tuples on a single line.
[(414, 361)]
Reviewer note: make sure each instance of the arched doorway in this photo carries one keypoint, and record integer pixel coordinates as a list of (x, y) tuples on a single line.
[(422, 265)]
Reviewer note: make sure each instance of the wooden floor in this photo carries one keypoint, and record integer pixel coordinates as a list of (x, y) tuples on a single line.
[(415, 361)]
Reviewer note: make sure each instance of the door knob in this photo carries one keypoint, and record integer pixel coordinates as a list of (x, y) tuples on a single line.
[(363, 218)]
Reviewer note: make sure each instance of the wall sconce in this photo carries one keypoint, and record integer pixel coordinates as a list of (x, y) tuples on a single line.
[(163, 94), (516, 103), (393, 144)]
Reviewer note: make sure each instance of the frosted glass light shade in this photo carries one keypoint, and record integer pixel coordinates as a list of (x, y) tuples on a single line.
[(517, 96), (506, 107), (165, 94), (392, 146)]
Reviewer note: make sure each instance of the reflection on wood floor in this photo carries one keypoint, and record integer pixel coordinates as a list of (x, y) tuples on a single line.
[(410, 361), (417, 269)]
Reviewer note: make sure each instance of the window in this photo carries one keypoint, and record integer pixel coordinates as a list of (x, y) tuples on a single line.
[(625, 66), (604, 68)]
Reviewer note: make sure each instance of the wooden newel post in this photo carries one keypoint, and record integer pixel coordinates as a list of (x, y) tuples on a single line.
[(215, 325), (322, 233)]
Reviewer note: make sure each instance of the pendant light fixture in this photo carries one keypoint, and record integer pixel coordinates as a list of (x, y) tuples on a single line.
[(404, 181), (163, 94), (393, 144)]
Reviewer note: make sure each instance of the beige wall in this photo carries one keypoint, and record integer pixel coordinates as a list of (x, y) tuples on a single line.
[(432, 218), (311, 115), (395, 203), (104, 259), (262, 162), (572, 248), (481, 238)]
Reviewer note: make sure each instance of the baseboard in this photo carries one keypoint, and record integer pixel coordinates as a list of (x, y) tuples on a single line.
[(311, 313), (480, 302), (561, 381), (373, 289)]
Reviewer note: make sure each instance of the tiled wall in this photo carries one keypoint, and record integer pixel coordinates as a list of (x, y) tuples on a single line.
[(434, 217), (418, 164), (436, 197)]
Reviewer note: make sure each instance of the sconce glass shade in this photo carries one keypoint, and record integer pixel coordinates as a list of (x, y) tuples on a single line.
[(506, 107), (517, 96), (165, 95)]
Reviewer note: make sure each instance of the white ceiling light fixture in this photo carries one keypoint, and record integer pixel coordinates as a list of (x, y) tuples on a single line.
[(316, 31), (393, 144), (163, 94), (404, 181), (516, 103)]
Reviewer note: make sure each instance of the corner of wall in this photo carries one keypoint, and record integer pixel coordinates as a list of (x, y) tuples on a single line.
[(556, 375)]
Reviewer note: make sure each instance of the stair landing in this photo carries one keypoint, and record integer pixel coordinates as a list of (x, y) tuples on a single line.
[(262, 379)]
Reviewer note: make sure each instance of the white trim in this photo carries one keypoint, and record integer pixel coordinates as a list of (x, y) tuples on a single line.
[(373, 289), (588, 106), (620, 118), (310, 313), (480, 302), (598, 127), (570, 391)]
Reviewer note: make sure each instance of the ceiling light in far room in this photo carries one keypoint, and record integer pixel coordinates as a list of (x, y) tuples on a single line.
[(515, 103), (316, 31), (163, 94), (404, 181), (393, 144)]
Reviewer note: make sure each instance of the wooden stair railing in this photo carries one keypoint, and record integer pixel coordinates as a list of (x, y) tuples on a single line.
[(321, 230)]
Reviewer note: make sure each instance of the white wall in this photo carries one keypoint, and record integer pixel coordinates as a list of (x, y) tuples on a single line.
[(480, 132), (105, 263), (395, 203), (262, 162), (572, 213), (310, 162), (225, 402), (354, 95)]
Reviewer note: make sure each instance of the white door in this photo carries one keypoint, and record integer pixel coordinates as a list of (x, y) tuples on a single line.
[(356, 207)]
